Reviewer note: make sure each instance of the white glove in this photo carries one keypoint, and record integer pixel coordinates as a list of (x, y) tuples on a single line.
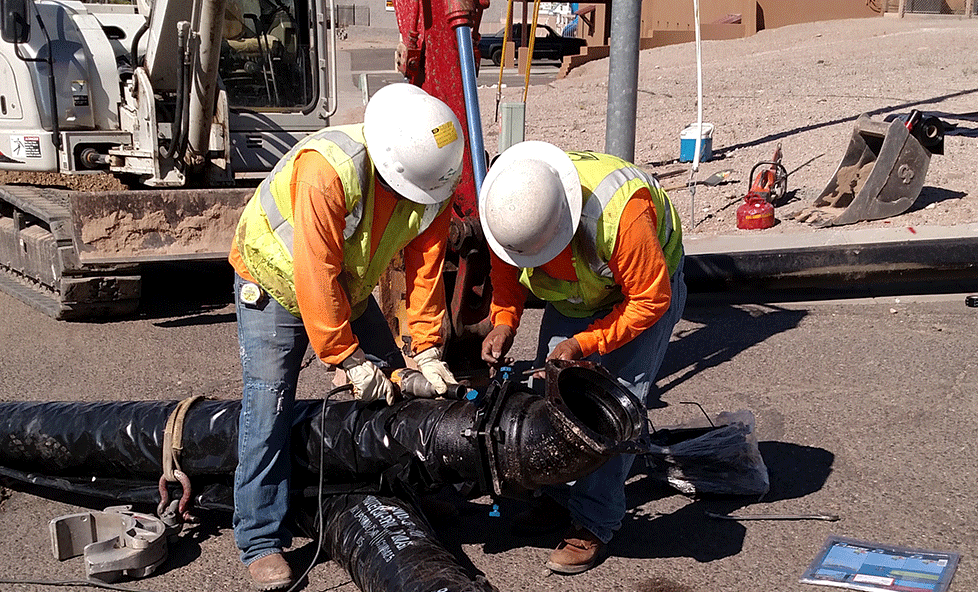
[(430, 364), (368, 381)]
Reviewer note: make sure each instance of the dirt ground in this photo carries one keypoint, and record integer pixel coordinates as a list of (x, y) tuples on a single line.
[(802, 87)]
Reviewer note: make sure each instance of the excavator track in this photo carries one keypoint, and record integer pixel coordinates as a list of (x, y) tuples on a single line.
[(40, 264), (77, 255)]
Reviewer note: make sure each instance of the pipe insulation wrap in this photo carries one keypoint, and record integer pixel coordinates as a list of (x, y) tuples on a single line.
[(517, 441)]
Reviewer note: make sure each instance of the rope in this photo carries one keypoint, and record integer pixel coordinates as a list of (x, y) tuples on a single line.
[(171, 450), (173, 437)]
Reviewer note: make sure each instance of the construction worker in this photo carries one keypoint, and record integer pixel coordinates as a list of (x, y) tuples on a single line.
[(309, 249), (597, 239)]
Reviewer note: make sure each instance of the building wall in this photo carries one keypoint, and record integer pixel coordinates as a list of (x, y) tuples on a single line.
[(375, 13), (667, 17)]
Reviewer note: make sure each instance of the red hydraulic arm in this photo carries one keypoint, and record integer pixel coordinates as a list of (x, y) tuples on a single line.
[(429, 57)]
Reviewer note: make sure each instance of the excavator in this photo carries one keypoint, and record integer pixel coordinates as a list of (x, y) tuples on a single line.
[(187, 105)]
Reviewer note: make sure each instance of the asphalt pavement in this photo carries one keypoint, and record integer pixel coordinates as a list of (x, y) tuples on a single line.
[(865, 408)]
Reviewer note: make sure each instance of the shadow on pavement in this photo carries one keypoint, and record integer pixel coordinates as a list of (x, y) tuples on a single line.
[(180, 295), (723, 333), (794, 471)]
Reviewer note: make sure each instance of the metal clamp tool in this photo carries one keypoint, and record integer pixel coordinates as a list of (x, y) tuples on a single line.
[(116, 542)]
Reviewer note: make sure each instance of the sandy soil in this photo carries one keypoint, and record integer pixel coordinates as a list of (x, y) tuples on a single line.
[(802, 87), (88, 182)]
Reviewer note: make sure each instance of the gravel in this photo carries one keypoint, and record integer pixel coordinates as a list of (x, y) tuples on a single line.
[(801, 86)]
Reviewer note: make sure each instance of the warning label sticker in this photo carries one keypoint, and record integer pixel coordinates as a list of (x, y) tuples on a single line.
[(445, 134), (25, 146)]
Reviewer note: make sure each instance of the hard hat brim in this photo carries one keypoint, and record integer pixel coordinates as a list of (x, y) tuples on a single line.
[(569, 178)]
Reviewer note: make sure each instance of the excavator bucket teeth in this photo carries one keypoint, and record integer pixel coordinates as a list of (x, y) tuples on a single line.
[(880, 176)]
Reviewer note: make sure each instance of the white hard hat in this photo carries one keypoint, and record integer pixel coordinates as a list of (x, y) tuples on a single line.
[(415, 141), (530, 203)]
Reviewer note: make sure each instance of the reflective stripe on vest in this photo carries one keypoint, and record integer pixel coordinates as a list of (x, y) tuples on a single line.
[(265, 233), (608, 183)]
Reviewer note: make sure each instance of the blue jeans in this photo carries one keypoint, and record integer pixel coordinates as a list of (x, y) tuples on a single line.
[(597, 502), (272, 344)]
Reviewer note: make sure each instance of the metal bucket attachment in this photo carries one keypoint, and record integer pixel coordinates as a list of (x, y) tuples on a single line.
[(880, 175)]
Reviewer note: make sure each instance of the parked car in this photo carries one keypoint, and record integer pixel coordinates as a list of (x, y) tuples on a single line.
[(549, 45)]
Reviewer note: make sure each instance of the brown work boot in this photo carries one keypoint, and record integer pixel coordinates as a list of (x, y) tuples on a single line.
[(543, 516), (578, 552), (270, 572)]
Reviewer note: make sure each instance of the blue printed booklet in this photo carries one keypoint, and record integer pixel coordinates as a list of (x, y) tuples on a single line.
[(860, 565)]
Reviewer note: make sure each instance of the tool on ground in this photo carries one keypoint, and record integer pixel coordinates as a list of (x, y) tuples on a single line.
[(718, 178), (116, 542), (826, 517), (767, 186), (882, 171), (770, 183)]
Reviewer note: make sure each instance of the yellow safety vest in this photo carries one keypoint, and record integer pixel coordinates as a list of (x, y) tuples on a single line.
[(607, 183), (265, 231)]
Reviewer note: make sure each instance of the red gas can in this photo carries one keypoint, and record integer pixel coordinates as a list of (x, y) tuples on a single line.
[(755, 213)]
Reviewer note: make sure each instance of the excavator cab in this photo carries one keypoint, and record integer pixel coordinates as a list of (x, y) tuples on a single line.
[(882, 171), (265, 55)]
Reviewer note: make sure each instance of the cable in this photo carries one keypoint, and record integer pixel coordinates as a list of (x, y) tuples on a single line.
[(699, 115), (319, 495), (87, 583)]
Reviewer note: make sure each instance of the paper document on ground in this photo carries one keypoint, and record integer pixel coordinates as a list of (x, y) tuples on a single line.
[(861, 565)]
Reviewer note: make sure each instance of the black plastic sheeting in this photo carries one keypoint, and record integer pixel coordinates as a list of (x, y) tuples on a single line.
[(510, 442)]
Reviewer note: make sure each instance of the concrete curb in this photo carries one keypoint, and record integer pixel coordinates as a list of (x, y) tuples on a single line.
[(834, 260)]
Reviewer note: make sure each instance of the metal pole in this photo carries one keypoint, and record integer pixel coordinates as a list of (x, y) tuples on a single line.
[(466, 58), (626, 21)]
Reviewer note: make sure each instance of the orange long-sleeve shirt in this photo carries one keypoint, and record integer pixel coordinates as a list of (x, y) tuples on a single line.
[(637, 264), (319, 212)]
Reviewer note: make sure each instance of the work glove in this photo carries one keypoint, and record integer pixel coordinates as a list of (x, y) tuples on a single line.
[(497, 344), (437, 372), (368, 381)]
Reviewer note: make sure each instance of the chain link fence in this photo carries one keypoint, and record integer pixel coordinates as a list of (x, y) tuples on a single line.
[(350, 14), (951, 7)]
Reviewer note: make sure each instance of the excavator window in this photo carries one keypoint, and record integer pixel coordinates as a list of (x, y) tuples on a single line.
[(266, 57)]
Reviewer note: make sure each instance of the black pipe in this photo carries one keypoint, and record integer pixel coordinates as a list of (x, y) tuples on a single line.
[(514, 442), (509, 441), (385, 543)]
